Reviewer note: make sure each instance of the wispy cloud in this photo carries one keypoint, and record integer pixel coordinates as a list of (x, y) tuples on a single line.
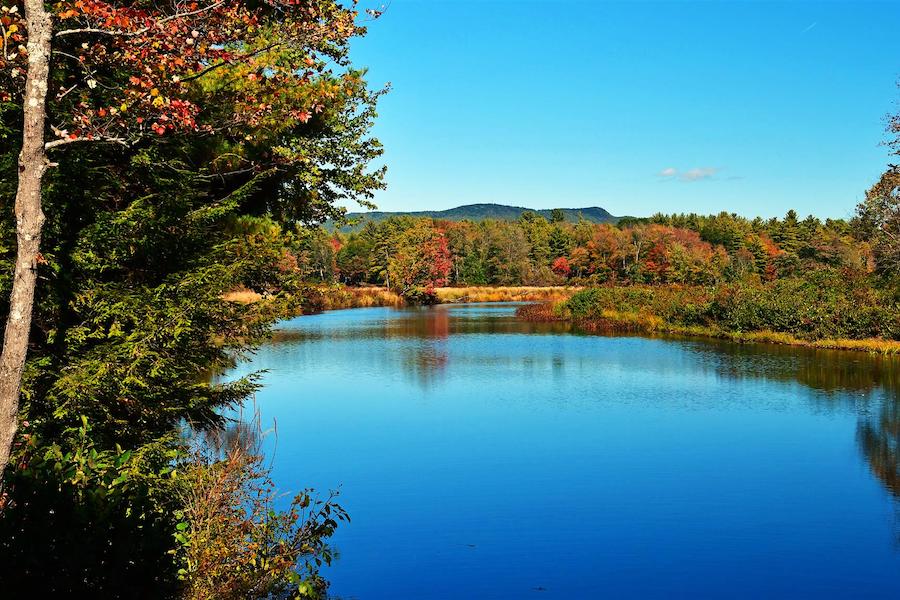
[(699, 173), (691, 175), (809, 27)]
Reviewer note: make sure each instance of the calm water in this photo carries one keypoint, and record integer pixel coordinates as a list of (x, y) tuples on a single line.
[(483, 457)]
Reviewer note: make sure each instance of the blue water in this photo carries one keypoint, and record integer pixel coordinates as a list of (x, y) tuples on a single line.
[(483, 457)]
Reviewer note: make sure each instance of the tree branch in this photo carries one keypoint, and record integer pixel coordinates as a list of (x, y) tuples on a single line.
[(65, 141), (211, 68)]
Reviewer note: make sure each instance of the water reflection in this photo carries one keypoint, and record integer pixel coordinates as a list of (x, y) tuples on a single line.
[(867, 384), (879, 439)]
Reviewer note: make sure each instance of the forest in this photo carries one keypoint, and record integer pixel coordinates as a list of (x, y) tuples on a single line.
[(713, 275), (535, 251)]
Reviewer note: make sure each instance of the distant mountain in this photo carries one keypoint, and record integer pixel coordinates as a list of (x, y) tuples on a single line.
[(500, 212)]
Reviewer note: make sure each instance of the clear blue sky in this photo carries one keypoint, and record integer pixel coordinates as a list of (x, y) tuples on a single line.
[(638, 107)]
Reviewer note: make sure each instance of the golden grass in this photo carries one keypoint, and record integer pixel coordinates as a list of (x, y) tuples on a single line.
[(243, 296), (333, 297), (451, 295), (338, 297)]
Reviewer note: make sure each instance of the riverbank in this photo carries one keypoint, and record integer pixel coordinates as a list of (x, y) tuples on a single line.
[(336, 297), (799, 312), (690, 311)]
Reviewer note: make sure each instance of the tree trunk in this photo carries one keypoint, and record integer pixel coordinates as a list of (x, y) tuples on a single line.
[(29, 222)]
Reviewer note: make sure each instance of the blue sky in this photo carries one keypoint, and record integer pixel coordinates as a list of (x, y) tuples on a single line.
[(638, 107)]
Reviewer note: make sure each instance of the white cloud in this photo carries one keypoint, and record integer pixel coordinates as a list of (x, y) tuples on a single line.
[(668, 172), (698, 173)]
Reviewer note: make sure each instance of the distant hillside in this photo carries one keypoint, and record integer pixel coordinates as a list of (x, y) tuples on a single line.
[(501, 212)]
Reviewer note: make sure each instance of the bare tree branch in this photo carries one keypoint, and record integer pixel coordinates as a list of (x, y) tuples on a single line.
[(65, 141)]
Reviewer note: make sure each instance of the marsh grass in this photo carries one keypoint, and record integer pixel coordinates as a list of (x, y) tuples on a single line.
[(242, 296), (615, 321), (450, 295), (336, 297), (319, 298)]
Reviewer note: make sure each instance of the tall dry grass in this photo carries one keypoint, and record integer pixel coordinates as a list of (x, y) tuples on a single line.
[(335, 297), (320, 298), (450, 295), (242, 296)]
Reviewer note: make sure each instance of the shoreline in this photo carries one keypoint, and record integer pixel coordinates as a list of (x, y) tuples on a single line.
[(623, 322), (324, 298), (335, 297)]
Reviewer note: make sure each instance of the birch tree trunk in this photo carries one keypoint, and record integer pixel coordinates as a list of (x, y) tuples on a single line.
[(29, 222)]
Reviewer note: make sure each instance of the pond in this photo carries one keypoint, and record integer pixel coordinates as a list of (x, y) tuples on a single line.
[(480, 456)]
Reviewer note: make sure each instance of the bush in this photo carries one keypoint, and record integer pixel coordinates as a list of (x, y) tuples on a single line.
[(826, 303), (234, 543)]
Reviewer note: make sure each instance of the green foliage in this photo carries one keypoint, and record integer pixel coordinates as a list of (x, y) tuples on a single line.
[(234, 543), (878, 220), (78, 513), (823, 304)]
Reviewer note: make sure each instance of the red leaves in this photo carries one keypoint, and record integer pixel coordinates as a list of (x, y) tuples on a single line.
[(561, 266), (437, 251), (131, 69)]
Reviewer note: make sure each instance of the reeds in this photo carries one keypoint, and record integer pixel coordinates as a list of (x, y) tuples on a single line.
[(451, 295), (242, 296), (319, 298), (336, 297)]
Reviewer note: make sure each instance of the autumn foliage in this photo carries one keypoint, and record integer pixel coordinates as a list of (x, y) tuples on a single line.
[(123, 70), (665, 249)]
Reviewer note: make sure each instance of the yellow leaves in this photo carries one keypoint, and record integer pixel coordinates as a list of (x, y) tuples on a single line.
[(158, 101), (154, 92), (124, 107)]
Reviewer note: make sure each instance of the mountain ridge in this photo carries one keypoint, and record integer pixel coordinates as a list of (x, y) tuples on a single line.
[(484, 211)]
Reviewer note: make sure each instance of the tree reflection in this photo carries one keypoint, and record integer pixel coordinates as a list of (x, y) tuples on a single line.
[(879, 440), (868, 385), (873, 383)]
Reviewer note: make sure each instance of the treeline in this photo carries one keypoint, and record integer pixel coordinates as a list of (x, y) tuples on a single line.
[(408, 253), (834, 284)]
